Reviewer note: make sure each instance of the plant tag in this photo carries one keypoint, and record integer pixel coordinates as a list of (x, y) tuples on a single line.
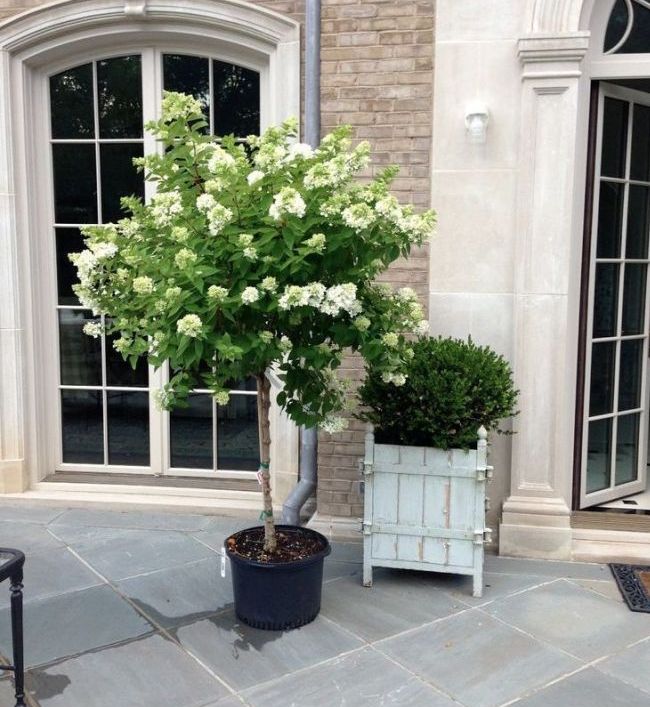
[(223, 564), (260, 479)]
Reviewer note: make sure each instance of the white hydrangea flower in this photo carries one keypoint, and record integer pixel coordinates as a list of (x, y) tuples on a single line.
[(184, 258), (222, 397), (250, 295), (165, 205), (334, 424), (171, 293), (93, 329), (250, 253), (205, 202), (180, 233), (254, 177), (122, 344), (287, 201), (267, 336), (217, 293), (285, 344), (388, 207), (315, 293), (358, 216), (341, 298), (86, 262), (362, 323), (317, 242), (103, 250), (390, 339), (421, 328), (299, 150), (269, 284), (189, 325), (293, 296), (407, 294), (162, 399), (397, 379), (179, 105), (220, 160), (270, 156), (218, 217), (215, 185), (143, 285), (245, 239)]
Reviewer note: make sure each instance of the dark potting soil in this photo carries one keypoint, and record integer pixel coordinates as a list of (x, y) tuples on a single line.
[(291, 546)]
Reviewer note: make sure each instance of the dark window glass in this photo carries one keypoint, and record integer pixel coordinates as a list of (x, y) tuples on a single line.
[(601, 399), (629, 385), (75, 183), (616, 26), (638, 41), (614, 138), (627, 449), (119, 90), (610, 220), (120, 372), (640, 155), (237, 435), (599, 446), (605, 300), (68, 240), (119, 177), (71, 103), (188, 74), (247, 384), (128, 428), (82, 426), (634, 288), (638, 223), (236, 100), (81, 355), (191, 434)]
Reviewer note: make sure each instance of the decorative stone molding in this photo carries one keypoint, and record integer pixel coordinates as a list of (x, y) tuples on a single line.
[(557, 16)]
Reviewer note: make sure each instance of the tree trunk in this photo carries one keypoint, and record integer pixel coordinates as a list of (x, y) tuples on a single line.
[(264, 427)]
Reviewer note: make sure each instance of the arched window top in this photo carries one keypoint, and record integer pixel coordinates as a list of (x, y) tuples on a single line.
[(628, 28)]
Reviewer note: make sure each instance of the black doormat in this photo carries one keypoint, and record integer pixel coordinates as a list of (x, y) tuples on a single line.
[(634, 583)]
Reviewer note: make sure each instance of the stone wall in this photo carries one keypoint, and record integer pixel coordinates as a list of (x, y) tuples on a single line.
[(377, 75)]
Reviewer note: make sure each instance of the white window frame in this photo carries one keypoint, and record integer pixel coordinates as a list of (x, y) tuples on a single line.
[(36, 45)]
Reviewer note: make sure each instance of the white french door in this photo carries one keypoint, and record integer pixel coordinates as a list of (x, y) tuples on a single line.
[(615, 437), (104, 419)]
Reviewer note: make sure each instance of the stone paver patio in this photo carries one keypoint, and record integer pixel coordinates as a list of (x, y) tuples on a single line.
[(129, 609)]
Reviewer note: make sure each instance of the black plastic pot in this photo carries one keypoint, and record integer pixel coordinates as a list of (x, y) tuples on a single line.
[(278, 596)]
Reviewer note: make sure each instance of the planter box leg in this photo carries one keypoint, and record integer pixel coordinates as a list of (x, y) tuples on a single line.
[(367, 574), (478, 584)]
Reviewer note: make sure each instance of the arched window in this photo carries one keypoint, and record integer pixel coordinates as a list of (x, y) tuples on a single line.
[(628, 28)]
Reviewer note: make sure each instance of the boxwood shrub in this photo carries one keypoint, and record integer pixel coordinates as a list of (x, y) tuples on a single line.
[(453, 387)]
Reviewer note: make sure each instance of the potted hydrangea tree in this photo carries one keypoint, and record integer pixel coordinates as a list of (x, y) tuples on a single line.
[(252, 256)]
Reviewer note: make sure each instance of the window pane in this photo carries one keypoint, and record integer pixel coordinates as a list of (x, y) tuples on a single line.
[(610, 220), (634, 298), (638, 224), (119, 90), (638, 41), (599, 447), (629, 385), (81, 355), (191, 434), (188, 74), (128, 428), (601, 400), (119, 177), (237, 436), (236, 100), (616, 26), (614, 138), (71, 103), (82, 426), (75, 183), (640, 156), (627, 449), (605, 300), (120, 373), (68, 240), (247, 384)]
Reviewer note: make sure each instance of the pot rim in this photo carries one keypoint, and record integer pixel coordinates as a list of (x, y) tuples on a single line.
[(321, 555)]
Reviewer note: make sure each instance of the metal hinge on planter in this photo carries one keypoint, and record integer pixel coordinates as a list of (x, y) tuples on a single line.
[(483, 536), (366, 527), (484, 474), (365, 467)]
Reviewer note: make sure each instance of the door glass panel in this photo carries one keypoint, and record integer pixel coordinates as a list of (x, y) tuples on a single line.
[(82, 426), (599, 446), (75, 183), (237, 434), (71, 103), (638, 223), (236, 100), (640, 153), (188, 74), (629, 393), (601, 400), (606, 300), (610, 220), (614, 138), (119, 177), (119, 93), (68, 240), (191, 434), (81, 355), (128, 428), (627, 449), (636, 276)]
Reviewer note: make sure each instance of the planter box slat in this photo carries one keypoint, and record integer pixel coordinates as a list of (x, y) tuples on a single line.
[(425, 508)]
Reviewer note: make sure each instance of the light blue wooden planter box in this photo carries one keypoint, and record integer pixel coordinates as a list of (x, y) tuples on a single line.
[(424, 509)]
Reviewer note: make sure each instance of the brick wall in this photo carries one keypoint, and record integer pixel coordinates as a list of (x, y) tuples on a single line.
[(377, 75)]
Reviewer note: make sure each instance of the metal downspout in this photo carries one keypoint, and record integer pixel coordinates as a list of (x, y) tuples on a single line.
[(308, 437)]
